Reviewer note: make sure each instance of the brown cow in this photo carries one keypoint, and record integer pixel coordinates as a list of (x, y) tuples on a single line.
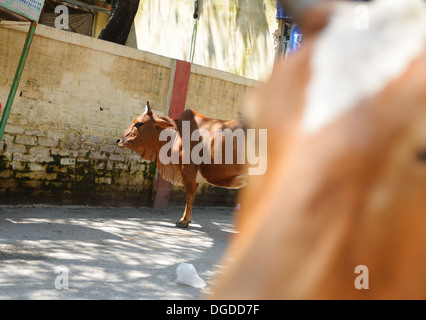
[(144, 137), (341, 211)]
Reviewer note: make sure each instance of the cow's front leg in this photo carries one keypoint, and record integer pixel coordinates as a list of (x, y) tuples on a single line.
[(190, 190)]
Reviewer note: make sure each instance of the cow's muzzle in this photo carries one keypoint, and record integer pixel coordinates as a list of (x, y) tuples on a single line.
[(121, 143)]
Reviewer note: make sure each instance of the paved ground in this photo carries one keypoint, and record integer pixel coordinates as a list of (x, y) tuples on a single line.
[(109, 253)]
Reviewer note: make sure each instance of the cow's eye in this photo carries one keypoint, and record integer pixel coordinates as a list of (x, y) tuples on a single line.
[(421, 156), (138, 125)]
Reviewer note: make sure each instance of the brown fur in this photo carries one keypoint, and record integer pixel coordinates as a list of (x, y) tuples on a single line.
[(353, 194)]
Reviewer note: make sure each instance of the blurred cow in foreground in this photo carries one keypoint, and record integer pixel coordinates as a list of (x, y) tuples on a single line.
[(341, 210)]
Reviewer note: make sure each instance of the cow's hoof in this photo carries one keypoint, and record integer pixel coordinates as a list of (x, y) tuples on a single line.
[(182, 224)]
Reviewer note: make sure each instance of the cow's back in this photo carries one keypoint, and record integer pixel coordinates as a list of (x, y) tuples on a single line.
[(217, 173)]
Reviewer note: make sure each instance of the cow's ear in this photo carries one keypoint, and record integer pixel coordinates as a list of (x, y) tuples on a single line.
[(311, 15), (163, 122)]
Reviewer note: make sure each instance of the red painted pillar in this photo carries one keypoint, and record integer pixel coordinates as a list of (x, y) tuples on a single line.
[(177, 106), (180, 89)]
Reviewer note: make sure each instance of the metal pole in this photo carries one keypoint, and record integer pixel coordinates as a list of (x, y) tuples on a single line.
[(17, 77), (193, 40), (194, 32)]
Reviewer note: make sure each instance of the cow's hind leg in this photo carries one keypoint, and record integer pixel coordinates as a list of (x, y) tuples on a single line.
[(190, 190)]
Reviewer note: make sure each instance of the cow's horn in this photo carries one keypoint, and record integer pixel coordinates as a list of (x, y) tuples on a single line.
[(147, 107)]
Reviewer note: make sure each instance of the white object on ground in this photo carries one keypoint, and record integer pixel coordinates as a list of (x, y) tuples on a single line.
[(187, 275)]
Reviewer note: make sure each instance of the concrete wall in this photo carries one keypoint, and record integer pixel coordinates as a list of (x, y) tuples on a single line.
[(77, 95), (233, 35)]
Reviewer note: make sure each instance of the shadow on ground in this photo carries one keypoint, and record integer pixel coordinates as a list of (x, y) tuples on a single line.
[(109, 253)]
